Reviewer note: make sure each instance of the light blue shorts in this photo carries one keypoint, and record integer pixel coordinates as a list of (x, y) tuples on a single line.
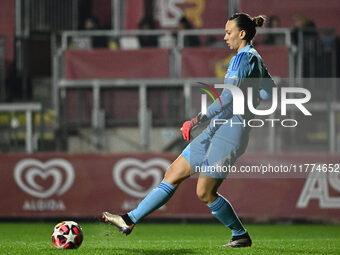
[(212, 153)]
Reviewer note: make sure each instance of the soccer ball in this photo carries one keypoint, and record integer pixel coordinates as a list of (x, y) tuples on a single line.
[(67, 235)]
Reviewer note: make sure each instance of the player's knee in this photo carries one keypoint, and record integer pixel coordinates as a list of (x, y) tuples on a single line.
[(172, 177), (204, 195)]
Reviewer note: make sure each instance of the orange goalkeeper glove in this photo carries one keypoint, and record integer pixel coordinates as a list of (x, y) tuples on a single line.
[(191, 124)]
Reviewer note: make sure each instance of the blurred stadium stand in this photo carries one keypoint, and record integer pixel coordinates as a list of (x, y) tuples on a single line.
[(108, 64), (2, 69), (89, 94), (87, 114)]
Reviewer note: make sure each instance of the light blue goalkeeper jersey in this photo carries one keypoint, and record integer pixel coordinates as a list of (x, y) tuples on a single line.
[(221, 145), (246, 69)]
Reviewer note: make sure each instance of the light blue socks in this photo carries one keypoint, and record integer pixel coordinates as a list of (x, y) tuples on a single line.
[(155, 199), (221, 208), (224, 212)]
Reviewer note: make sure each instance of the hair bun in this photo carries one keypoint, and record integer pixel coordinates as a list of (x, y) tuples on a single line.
[(259, 20)]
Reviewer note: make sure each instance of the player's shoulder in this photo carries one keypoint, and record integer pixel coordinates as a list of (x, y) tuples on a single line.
[(252, 59), (242, 60), (238, 61), (252, 54)]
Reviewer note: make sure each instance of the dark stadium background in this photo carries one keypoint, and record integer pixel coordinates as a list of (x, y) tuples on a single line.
[(81, 107)]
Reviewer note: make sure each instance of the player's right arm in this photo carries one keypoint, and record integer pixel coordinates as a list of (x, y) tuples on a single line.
[(244, 67)]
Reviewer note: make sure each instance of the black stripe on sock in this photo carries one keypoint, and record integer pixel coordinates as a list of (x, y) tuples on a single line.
[(127, 219)]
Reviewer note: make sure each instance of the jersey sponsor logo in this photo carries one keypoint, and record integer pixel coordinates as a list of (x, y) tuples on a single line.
[(317, 187), (131, 175)]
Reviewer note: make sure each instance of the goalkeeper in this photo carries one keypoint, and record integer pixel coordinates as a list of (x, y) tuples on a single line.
[(217, 145)]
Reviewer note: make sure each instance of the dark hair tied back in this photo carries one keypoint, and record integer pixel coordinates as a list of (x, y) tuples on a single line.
[(258, 21), (248, 24)]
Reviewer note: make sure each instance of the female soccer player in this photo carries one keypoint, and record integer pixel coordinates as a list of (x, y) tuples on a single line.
[(217, 145)]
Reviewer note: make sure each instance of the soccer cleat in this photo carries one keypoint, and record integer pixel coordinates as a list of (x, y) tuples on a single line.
[(118, 222), (238, 242)]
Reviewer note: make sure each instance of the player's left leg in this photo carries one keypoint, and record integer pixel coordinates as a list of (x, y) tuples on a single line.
[(222, 210), (227, 144), (177, 172)]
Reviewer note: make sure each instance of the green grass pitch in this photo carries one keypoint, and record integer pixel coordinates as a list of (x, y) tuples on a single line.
[(100, 238)]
